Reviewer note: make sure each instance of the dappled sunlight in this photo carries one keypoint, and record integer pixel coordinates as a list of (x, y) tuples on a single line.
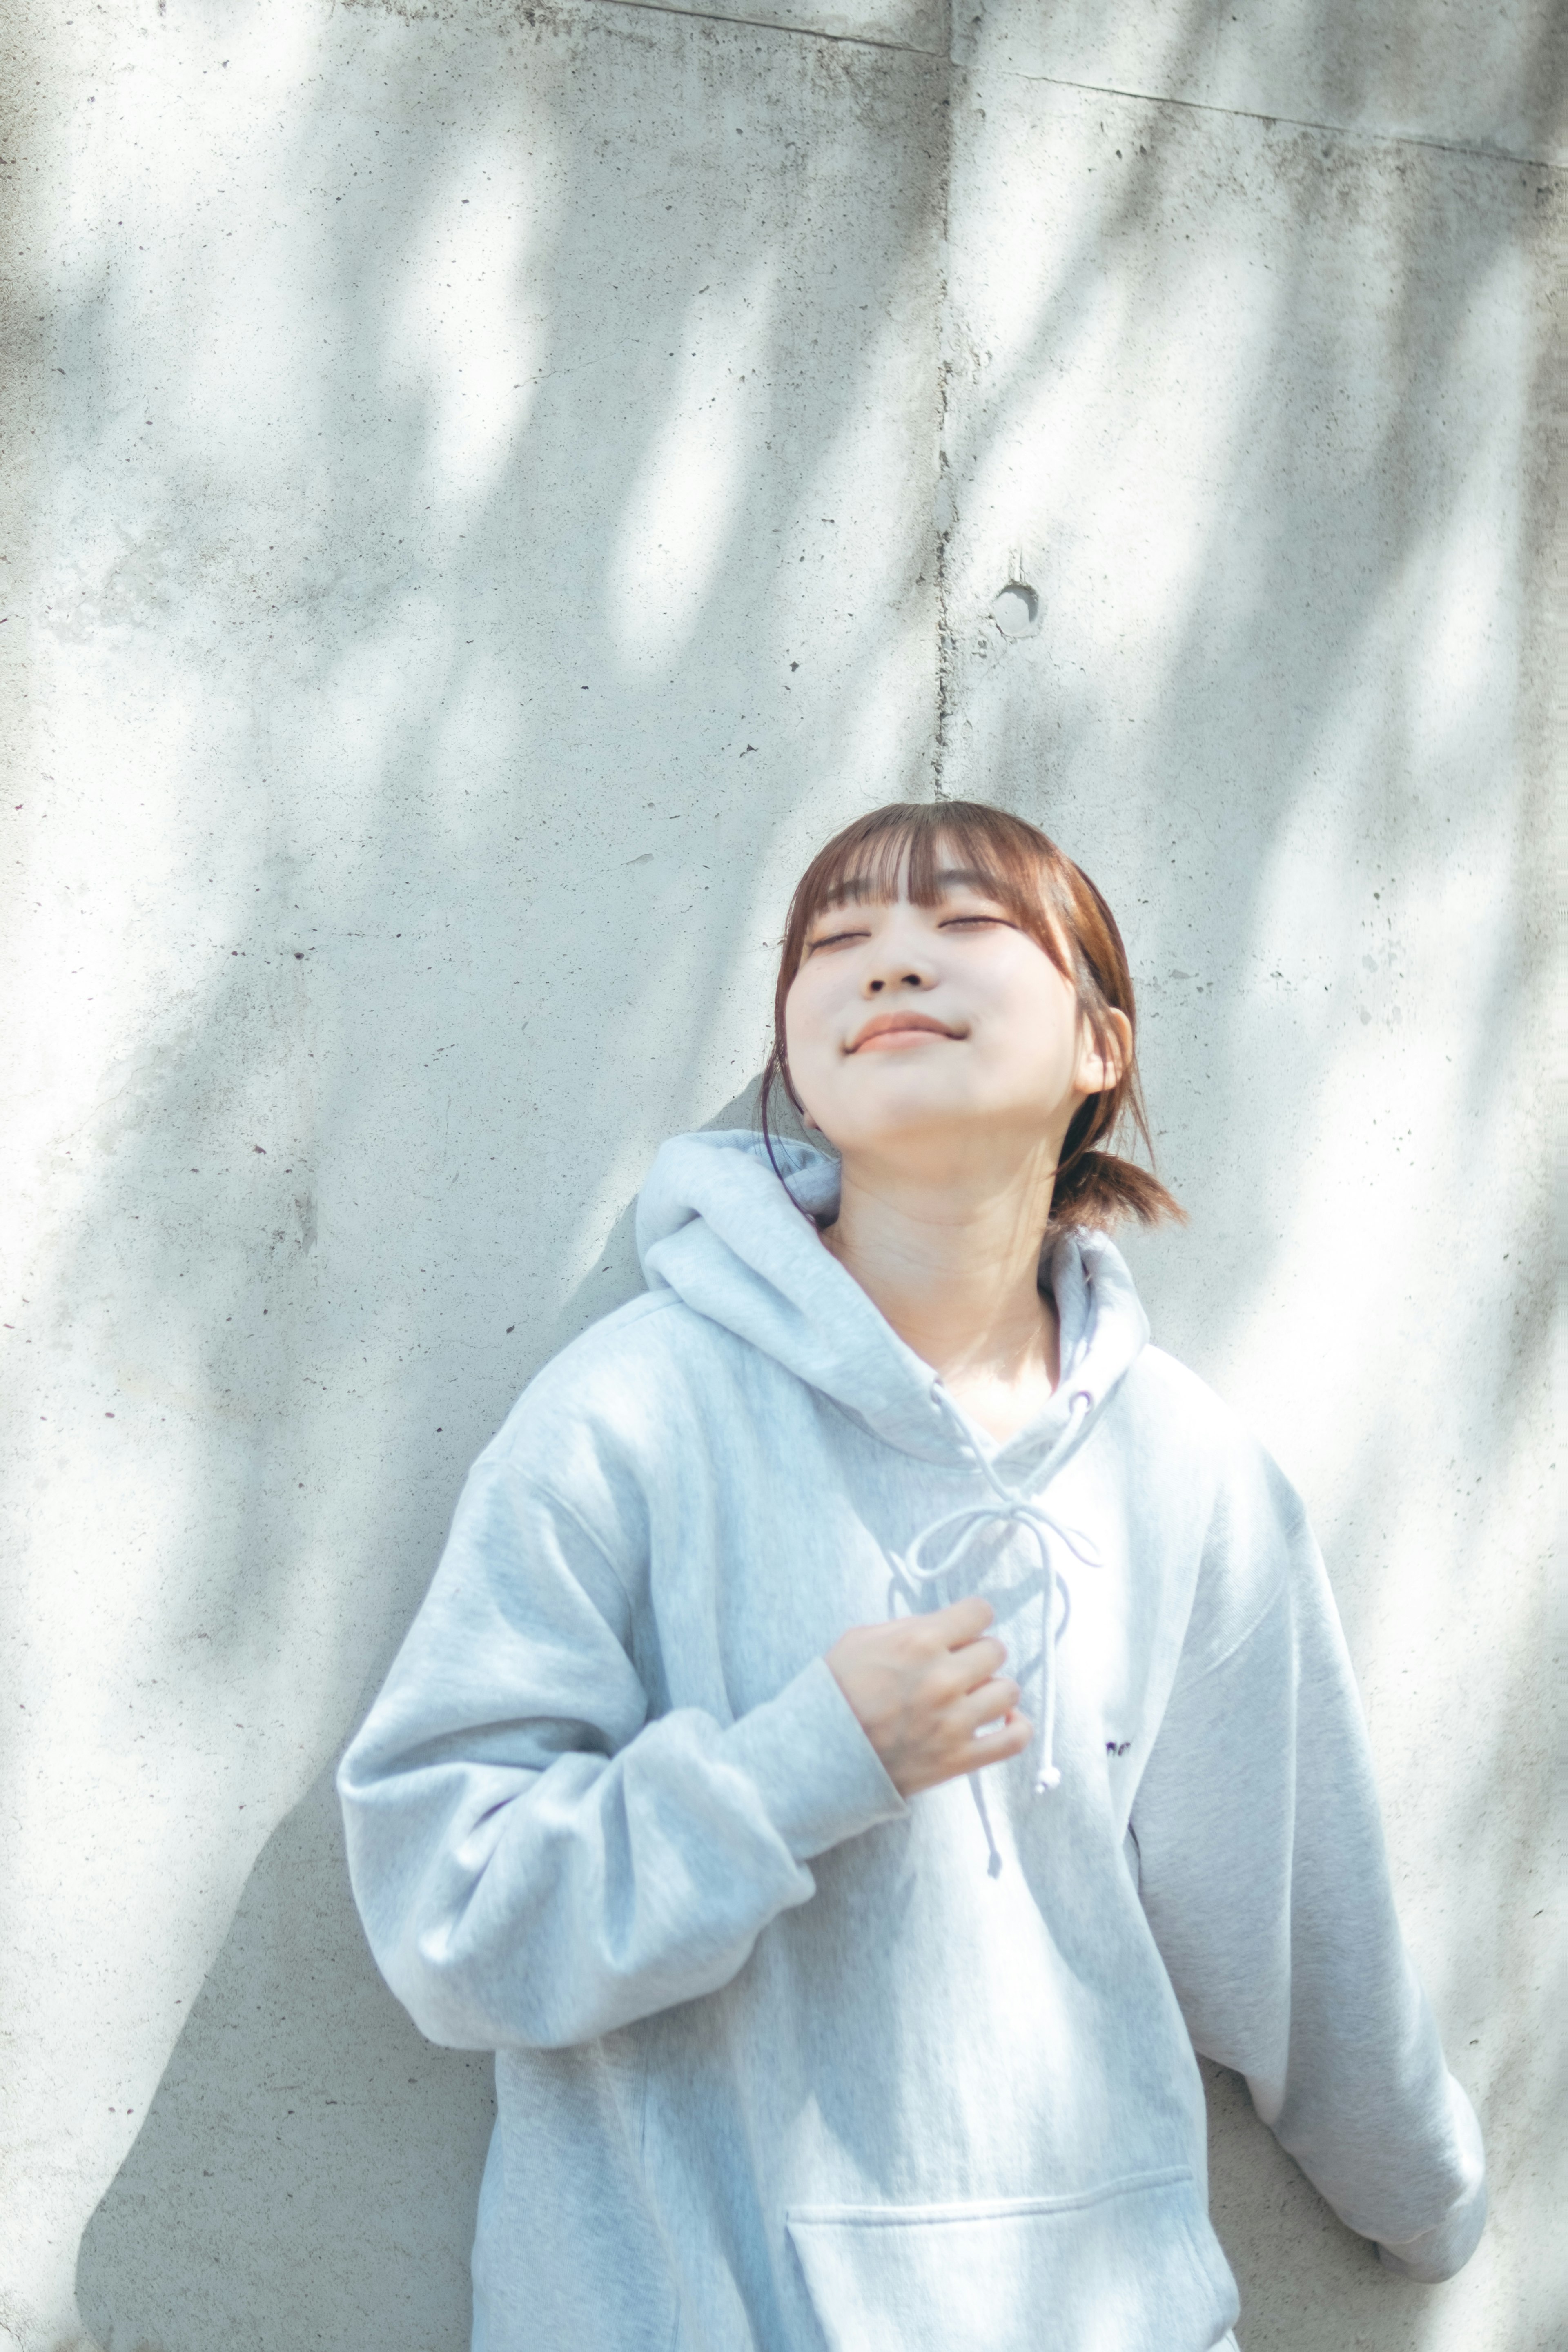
[(382, 687), (464, 339), (1128, 426), (408, 906), (682, 509), (1253, 411), (522, 481), (1455, 591)]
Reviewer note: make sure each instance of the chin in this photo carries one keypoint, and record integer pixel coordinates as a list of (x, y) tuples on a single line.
[(900, 1120), (909, 1127)]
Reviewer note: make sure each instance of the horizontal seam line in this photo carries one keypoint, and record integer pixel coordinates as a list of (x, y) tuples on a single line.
[(1289, 122), (1094, 89), (769, 25)]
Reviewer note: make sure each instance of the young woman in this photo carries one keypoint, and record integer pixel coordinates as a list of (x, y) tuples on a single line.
[(875, 1714)]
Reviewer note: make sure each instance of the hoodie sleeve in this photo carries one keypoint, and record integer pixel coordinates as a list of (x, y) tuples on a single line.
[(535, 1861), (1264, 1877)]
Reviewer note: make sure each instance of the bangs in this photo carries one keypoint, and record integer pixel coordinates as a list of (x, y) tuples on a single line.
[(924, 849)]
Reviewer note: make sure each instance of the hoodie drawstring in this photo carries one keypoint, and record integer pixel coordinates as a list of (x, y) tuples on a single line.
[(1014, 1509)]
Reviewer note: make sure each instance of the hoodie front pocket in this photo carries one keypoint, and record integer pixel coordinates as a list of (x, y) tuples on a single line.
[(1129, 2267)]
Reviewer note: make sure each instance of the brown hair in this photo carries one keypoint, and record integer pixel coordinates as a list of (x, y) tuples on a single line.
[(910, 842)]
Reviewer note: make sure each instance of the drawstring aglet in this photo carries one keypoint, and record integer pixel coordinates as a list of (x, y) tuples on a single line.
[(1048, 1779)]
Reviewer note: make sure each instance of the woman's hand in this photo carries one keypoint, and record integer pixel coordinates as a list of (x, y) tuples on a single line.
[(920, 1688)]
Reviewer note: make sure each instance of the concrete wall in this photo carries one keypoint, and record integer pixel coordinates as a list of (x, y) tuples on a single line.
[(490, 487)]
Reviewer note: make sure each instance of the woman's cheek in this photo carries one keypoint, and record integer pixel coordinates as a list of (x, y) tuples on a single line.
[(814, 1087), (806, 1029)]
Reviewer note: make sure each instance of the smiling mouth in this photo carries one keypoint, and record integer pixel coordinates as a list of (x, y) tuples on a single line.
[(889, 1032)]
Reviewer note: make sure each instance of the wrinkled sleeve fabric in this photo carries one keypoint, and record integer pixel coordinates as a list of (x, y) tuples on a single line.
[(535, 1860), (1264, 1877)]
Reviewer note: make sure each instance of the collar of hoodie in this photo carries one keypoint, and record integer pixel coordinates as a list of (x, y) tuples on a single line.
[(717, 1227)]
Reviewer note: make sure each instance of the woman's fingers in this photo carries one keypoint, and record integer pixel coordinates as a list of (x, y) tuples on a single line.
[(921, 1688), (994, 1744), (988, 1704), (959, 1623), (978, 1662), (960, 1629)]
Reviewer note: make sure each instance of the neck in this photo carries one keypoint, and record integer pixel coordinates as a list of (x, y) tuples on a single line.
[(951, 1261)]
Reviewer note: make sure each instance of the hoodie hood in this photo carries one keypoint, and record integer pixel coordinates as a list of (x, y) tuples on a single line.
[(717, 1226)]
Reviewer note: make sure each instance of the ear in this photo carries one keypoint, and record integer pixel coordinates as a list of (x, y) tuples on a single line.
[(1097, 1071)]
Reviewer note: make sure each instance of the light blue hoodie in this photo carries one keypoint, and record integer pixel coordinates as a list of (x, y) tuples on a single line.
[(785, 2061)]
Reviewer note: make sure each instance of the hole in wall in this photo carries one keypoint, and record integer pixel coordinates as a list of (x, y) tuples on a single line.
[(1015, 609)]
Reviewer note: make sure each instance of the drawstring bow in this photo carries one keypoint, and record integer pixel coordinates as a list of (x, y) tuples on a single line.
[(916, 1572)]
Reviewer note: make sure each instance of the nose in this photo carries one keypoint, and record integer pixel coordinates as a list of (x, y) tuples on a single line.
[(900, 954), (895, 971)]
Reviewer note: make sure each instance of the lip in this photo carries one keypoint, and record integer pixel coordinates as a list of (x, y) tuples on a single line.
[(886, 1030)]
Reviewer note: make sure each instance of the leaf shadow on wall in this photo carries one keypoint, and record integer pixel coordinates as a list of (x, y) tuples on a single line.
[(301, 2120), (302, 2117), (439, 726), (305, 2176), (1328, 533)]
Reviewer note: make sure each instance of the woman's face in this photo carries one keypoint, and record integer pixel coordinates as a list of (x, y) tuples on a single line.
[(913, 1027)]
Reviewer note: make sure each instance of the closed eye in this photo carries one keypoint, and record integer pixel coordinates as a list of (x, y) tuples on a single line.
[(836, 940)]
